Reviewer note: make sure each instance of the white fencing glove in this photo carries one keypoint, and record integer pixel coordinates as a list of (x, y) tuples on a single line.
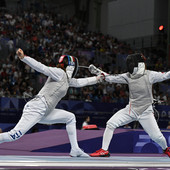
[(96, 71), (100, 78)]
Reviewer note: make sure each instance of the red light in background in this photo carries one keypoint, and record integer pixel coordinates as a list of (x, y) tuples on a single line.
[(161, 27)]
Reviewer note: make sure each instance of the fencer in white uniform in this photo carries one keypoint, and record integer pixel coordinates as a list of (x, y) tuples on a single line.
[(41, 109), (139, 81)]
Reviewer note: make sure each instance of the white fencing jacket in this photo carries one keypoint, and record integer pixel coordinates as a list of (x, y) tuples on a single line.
[(57, 83), (140, 89)]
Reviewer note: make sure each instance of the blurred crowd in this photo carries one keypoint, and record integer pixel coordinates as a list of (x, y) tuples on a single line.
[(45, 37)]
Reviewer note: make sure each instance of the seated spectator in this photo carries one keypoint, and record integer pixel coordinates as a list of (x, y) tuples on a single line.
[(49, 36), (168, 127), (127, 126), (88, 99), (86, 121)]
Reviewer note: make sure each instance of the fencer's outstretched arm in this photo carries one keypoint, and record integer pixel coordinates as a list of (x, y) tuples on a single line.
[(155, 77), (81, 82), (53, 72), (120, 78)]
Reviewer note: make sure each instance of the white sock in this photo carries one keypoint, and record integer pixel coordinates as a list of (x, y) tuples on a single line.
[(72, 134), (162, 142), (107, 137)]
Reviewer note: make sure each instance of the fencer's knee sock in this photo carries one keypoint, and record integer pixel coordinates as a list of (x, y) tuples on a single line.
[(4, 137), (72, 134), (107, 136), (161, 141)]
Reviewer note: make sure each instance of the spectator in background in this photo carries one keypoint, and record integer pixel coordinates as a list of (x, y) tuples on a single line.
[(86, 121), (1, 92), (47, 35), (168, 127), (127, 126), (168, 100), (88, 98)]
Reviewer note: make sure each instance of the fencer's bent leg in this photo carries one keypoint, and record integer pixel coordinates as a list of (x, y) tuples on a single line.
[(149, 124), (62, 116), (32, 113), (122, 117)]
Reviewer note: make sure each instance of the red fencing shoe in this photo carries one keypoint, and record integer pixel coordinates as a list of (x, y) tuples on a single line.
[(100, 153), (167, 151)]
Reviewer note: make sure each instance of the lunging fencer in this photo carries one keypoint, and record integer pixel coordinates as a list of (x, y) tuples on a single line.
[(139, 81), (41, 109)]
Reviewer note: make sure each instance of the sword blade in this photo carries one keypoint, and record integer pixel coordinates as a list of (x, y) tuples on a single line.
[(83, 67)]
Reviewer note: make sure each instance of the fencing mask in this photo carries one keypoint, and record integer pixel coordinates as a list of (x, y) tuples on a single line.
[(70, 63), (135, 64)]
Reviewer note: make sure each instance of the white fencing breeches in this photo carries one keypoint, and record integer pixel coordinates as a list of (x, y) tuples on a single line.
[(125, 116), (36, 111)]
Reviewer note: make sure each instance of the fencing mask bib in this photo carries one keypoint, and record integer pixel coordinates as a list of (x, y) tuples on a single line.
[(135, 64), (70, 64)]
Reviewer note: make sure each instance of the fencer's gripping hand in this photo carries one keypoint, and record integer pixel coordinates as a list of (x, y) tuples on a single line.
[(20, 53), (96, 71), (100, 78)]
